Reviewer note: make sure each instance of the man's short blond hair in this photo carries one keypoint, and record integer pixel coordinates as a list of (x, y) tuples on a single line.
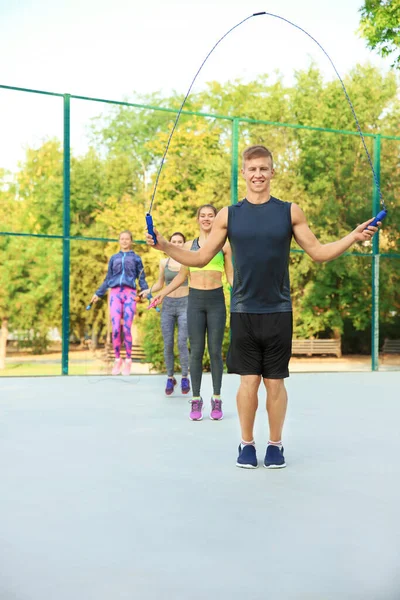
[(257, 152)]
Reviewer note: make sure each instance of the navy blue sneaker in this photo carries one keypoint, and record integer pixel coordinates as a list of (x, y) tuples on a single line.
[(185, 385), (247, 458), (169, 388), (274, 458)]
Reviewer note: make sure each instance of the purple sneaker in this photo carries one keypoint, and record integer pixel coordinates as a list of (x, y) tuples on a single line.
[(169, 388), (216, 413), (185, 385), (196, 413)]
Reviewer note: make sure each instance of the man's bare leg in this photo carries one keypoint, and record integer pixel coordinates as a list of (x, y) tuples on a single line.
[(247, 403), (276, 408)]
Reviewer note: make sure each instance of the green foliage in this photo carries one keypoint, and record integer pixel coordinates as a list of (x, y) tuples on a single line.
[(380, 26), (152, 340), (39, 188)]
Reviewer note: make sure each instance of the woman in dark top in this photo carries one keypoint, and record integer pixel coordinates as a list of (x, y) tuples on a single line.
[(174, 313)]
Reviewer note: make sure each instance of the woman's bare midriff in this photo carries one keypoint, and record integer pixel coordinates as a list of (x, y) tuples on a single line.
[(205, 280), (182, 290)]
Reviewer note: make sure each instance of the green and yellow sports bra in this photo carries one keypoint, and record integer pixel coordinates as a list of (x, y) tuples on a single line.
[(216, 264)]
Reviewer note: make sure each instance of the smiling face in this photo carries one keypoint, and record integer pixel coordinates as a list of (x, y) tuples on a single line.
[(125, 241), (206, 218), (258, 173)]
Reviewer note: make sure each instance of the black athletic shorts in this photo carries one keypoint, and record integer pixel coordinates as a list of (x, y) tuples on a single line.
[(261, 344)]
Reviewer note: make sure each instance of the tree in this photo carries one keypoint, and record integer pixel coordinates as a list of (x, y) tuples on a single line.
[(380, 26), (30, 269), (39, 189), (7, 216)]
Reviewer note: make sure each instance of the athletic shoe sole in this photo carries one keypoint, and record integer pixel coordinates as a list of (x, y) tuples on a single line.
[(220, 418), (201, 418), (246, 466), (275, 466)]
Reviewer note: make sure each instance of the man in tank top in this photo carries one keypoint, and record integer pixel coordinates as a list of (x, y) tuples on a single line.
[(260, 229)]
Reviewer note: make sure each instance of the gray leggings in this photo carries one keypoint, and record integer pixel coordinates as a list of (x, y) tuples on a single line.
[(206, 313), (174, 311)]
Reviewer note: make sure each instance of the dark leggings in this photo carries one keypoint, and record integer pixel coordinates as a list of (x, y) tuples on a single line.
[(206, 313)]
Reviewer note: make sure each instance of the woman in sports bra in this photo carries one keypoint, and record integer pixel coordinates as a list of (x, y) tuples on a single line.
[(174, 312), (206, 313)]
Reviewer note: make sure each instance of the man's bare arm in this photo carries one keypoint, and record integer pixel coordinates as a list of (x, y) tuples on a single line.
[(201, 257), (227, 250), (325, 252)]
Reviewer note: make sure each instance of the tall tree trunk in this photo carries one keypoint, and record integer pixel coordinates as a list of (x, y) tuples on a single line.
[(95, 338), (3, 342), (338, 336)]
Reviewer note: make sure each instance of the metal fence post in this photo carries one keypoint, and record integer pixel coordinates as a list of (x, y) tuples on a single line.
[(375, 260), (66, 234), (234, 160)]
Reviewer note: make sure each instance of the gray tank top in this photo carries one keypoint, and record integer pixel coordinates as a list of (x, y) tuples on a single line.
[(260, 236), (169, 275)]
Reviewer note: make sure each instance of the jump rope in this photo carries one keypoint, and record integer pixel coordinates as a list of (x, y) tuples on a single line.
[(149, 219)]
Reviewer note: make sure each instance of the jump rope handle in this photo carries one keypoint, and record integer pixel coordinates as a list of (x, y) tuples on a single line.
[(379, 217), (150, 229), (89, 306), (152, 304)]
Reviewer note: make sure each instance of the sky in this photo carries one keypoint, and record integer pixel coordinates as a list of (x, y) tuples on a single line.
[(115, 49)]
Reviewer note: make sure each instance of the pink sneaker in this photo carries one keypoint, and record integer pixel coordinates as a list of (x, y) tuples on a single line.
[(196, 413), (216, 413), (126, 369), (116, 370)]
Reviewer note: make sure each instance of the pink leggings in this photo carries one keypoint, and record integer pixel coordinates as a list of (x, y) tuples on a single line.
[(122, 305)]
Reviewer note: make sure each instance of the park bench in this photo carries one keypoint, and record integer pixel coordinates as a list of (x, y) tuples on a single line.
[(311, 347), (391, 346)]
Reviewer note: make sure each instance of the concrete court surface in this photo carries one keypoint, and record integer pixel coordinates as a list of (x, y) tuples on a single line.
[(109, 492)]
